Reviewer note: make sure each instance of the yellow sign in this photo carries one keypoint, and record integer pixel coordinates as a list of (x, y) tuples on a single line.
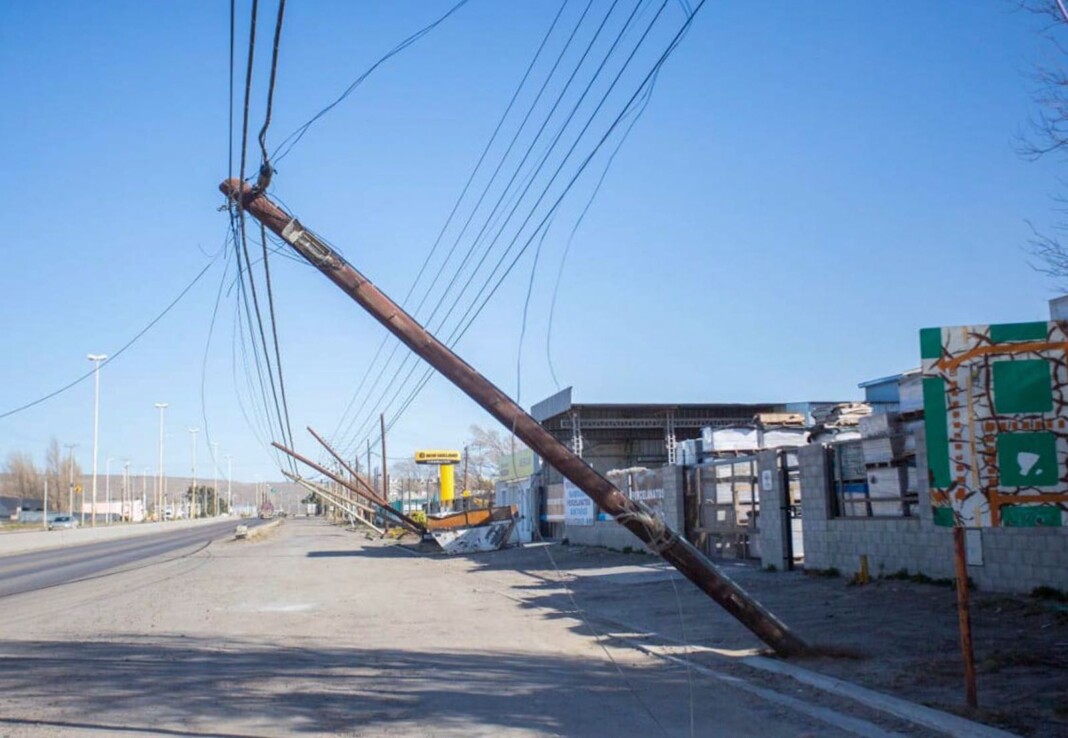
[(438, 457)]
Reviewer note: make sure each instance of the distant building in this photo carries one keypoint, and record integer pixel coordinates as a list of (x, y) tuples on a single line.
[(622, 435)]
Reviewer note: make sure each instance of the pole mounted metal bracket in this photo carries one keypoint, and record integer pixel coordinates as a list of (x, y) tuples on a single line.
[(307, 244)]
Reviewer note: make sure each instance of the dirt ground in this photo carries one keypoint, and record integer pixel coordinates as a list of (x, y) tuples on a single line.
[(899, 637)]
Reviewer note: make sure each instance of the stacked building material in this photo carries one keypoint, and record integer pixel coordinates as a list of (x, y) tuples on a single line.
[(891, 487), (781, 430), (839, 423)]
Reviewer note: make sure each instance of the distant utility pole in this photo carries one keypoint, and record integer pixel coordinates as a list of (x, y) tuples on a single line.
[(127, 498), (107, 485), (96, 359), (368, 472), (160, 493), (193, 493), (385, 464), (229, 483), (46, 503), (70, 483), (144, 492), (215, 466)]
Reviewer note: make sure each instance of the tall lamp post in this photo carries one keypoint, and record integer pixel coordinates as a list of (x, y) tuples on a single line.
[(96, 359), (193, 492), (229, 484), (215, 466), (126, 491), (70, 469), (161, 406), (107, 486)]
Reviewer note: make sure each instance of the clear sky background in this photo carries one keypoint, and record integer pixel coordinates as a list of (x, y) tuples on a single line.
[(810, 185)]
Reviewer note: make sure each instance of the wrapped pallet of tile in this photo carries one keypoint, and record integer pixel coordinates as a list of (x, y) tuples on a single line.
[(910, 390), (883, 443), (781, 430), (730, 440), (839, 423)]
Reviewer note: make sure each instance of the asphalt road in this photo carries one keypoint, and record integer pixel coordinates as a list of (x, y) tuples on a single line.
[(37, 570)]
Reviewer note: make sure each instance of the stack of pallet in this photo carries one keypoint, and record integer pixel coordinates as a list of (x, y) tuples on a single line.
[(890, 466), (839, 423)]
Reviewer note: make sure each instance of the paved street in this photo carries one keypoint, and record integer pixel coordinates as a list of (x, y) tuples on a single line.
[(40, 569), (318, 631)]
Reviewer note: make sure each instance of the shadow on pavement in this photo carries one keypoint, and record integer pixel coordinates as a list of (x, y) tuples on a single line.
[(182, 686)]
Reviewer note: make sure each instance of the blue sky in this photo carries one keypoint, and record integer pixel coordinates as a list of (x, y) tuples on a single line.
[(810, 184)]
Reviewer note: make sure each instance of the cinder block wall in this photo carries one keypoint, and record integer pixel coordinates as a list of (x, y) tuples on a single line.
[(769, 521), (1013, 559), (610, 534)]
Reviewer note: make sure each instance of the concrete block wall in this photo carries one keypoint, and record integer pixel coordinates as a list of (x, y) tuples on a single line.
[(772, 547), (610, 534), (1013, 559)]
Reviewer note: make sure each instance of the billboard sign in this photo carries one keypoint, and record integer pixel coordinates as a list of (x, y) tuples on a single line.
[(995, 403)]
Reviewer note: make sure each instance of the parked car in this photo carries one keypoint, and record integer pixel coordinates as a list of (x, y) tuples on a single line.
[(61, 522)]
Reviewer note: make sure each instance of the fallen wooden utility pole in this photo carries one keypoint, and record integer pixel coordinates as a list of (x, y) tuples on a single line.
[(636, 518), (347, 506), (351, 502), (369, 490), (404, 519)]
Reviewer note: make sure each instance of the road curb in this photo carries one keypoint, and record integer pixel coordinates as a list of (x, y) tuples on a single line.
[(251, 534)]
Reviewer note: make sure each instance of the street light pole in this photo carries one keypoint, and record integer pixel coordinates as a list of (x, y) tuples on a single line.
[(229, 483), (161, 406), (70, 469), (125, 488), (107, 485), (215, 466), (193, 494), (96, 359)]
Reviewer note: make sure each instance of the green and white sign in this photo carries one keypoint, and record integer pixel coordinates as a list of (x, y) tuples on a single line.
[(996, 412)]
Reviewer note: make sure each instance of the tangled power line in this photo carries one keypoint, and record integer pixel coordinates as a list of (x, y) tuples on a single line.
[(589, 79)]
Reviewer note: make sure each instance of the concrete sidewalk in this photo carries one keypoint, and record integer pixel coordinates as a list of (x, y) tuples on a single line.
[(899, 638)]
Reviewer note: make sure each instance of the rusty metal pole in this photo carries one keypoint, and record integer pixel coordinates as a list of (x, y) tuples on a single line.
[(965, 617), (636, 518)]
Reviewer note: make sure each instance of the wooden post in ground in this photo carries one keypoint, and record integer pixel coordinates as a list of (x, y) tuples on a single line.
[(964, 615)]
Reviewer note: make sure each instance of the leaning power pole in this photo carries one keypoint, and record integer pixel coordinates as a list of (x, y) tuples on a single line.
[(635, 517)]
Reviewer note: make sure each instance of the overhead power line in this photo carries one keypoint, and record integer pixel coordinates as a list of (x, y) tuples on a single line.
[(639, 92), (115, 354), (294, 138)]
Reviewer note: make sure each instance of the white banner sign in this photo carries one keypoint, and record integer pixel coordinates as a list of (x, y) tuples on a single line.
[(578, 508)]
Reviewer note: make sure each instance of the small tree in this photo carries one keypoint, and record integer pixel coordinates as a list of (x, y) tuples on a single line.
[(1049, 133), (204, 506), (58, 471), (23, 478)]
